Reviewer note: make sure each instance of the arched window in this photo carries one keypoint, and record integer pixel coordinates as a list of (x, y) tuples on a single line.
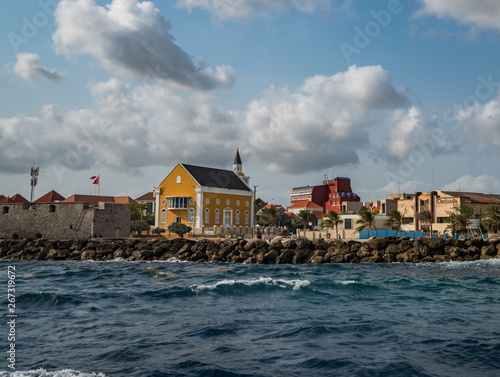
[(237, 217), (191, 215), (207, 216), (246, 217), (52, 208), (217, 213), (178, 179), (163, 216)]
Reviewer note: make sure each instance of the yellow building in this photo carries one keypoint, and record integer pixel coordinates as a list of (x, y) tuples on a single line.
[(209, 200)]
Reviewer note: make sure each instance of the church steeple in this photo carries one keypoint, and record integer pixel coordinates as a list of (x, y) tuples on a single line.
[(237, 165)]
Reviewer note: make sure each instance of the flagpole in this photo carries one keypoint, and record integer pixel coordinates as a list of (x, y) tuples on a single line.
[(99, 185)]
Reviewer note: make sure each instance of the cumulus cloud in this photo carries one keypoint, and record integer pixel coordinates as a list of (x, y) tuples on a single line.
[(234, 9), (482, 124), (132, 37), (484, 183), (411, 132), (127, 129), (324, 123), (407, 187), (481, 13), (28, 66)]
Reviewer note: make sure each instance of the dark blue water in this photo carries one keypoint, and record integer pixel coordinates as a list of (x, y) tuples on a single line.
[(182, 319)]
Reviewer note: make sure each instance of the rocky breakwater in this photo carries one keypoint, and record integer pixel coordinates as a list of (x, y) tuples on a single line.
[(277, 251)]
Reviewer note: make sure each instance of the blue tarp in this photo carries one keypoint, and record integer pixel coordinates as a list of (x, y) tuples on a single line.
[(365, 234)]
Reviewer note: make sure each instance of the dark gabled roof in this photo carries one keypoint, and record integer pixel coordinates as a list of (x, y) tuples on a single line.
[(211, 177), (148, 196), (237, 158)]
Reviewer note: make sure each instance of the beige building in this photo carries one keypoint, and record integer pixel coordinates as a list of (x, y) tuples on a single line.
[(440, 204)]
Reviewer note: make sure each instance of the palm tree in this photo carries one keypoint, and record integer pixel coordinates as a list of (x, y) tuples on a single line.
[(143, 207), (332, 219), (491, 217), (366, 219), (395, 220), (426, 217), (302, 218), (460, 217)]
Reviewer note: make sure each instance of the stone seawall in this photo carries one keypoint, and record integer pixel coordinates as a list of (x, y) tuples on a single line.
[(277, 251)]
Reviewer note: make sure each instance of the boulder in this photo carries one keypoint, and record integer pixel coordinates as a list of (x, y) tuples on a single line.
[(377, 243), (488, 252), (272, 256), (286, 256)]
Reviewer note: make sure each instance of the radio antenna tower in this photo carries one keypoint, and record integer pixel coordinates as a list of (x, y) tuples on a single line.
[(34, 180)]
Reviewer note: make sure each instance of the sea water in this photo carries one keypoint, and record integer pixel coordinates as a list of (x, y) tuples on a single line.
[(172, 318)]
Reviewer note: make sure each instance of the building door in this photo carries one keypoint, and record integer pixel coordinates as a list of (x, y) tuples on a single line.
[(228, 214)]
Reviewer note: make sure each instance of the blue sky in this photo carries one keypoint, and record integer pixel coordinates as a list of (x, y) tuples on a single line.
[(384, 92)]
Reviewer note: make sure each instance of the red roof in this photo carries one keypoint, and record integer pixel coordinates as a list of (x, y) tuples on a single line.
[(305, 204), (269, 205), (95, 199), (146, 197), (50, 197), (14, 199)]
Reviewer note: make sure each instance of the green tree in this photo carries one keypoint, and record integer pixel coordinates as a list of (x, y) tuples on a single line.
[(491, 218), (459, 218), (158, 230), (179, 229), (139, 226), (284, 220), (332, 219), (135, 212), (366, 219), (268, 216), (395, 220), (303, 218)]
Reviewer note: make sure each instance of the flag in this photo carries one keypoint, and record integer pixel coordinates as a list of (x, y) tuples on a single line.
[(93, 177), (96, 181)]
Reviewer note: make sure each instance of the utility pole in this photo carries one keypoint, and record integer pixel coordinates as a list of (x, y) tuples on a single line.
[(34, 181)]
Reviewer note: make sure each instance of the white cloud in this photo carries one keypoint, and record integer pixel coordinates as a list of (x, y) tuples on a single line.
[(482, 124), (482, 13), (324, 123), (132, 37), (235, 9), (405, 187), (485, 183), (411, 133), (29, 68)]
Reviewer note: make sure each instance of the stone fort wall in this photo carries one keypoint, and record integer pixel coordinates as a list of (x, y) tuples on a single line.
[(64, 220)]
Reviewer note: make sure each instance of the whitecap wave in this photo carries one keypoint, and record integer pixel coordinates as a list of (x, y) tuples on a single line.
[(345, 282), (44, 373), (477, 263), (281, 283)]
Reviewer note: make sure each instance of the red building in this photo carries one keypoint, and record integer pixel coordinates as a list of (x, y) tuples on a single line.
[(330, 195)]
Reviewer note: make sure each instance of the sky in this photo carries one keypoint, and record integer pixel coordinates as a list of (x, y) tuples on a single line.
[(399, 96)]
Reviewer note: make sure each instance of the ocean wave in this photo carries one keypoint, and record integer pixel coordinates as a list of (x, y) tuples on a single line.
[(49, 299), (262, 281), (44, 373), (346, 282)]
